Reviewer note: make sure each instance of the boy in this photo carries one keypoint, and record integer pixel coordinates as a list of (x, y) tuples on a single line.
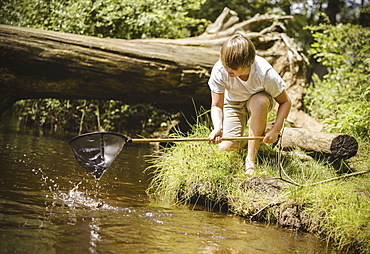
[(245, 86)]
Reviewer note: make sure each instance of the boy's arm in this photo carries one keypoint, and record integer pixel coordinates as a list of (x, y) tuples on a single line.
[(283, 111), (217, 106)]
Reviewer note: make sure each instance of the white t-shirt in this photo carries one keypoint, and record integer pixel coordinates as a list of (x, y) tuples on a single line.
[(261, 78)]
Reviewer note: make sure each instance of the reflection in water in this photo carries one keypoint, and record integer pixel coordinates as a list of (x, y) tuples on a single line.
[(48, 204)]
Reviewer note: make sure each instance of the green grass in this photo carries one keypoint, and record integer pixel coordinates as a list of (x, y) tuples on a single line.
[(338, 211)]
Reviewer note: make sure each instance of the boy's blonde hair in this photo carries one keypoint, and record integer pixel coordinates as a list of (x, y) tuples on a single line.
[(238, 51)]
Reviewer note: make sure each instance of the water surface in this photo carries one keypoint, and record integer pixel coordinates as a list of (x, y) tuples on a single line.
[(48, 204)]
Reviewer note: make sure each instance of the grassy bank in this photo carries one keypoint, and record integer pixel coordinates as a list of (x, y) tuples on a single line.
[(338, 210)]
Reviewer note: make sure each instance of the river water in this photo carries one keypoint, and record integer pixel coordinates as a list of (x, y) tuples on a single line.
[(48, 204)]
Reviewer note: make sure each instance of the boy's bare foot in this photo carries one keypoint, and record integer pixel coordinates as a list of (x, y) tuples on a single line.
[(249, 171), (249, 167)]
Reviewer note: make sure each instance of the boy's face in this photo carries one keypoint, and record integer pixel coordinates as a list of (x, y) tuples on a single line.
[(239, 72)]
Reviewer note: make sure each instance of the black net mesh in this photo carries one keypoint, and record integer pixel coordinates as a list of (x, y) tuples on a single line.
[(96, 151)]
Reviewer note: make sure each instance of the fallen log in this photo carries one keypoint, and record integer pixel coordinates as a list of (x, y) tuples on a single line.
[(36, 63), (336, 145)]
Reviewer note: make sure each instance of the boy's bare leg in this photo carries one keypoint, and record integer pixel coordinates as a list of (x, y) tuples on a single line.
[(259, 108), (229, 145)]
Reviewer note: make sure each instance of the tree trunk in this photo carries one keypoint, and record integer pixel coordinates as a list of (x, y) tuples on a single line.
[(170, 73), (37, 64), (335, 145), (332, 10)]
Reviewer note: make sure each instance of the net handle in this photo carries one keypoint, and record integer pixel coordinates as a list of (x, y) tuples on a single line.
[(146, 140)]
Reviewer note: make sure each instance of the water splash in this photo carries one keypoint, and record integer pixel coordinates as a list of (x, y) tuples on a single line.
[(76, 198)]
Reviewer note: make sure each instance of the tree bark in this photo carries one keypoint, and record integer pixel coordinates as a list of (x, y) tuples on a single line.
[(170, 73), (335, 145), (37, 64)]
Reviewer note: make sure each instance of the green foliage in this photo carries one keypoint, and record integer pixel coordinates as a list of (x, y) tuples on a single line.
[(92, 115), (342, 97), (129, 19), (141, 118), (52, 114)]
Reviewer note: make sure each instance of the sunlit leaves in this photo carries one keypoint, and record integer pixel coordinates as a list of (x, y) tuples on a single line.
[(129, 19), (342, 98)]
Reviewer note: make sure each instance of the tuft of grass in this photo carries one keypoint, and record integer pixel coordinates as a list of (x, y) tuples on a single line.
[(338, 211), (192, 169), (341, 212)]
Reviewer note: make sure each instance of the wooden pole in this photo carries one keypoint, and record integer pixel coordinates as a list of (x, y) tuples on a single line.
[(147, 140)]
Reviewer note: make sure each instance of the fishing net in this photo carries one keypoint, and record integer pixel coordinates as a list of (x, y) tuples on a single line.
[(96, 151)]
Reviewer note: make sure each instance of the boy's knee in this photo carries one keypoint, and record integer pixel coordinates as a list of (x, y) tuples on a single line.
[(259, 102), (260, 98)]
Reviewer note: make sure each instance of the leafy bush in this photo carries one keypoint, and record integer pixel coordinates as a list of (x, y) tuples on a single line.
[(342, 97), (51, 114), (129, 19), (92, 115)]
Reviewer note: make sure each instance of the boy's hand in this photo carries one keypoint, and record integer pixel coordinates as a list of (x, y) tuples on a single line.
[(271, 136), (215, 137)]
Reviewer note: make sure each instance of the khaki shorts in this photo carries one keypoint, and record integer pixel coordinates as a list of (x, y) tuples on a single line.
[(236, 115)]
